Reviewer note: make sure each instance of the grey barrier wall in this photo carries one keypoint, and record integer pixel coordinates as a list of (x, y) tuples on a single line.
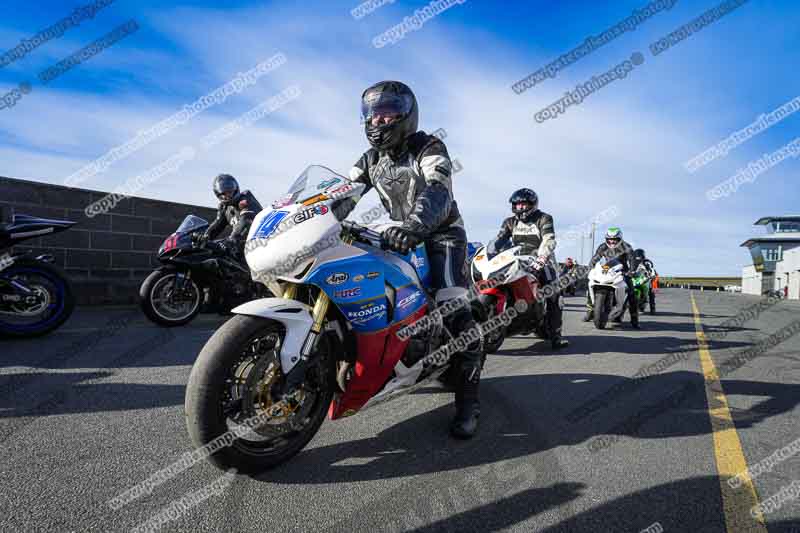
[(106, 256)]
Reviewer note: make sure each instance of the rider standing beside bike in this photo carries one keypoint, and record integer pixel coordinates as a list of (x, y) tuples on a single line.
[(237, 209), (615, 247), (533, 229), (412, 173)]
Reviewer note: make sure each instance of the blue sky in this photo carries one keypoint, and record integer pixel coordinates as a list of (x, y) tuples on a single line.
[(624, 146)]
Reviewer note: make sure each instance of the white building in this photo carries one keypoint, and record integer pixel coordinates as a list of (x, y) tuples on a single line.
[(751, 280), (767, 251), (787, 273)]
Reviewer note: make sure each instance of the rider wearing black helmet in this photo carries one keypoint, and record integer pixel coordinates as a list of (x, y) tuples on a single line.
[(236, 209), (412, 174), (639, 258), (533, 230)]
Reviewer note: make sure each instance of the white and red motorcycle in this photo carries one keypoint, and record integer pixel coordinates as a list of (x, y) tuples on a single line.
[(505, 280)]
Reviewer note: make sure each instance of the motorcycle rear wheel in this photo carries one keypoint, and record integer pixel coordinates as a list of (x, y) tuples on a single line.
[(53, 285)]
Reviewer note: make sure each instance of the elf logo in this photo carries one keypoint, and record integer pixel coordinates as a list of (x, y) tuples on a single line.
[(308, 214)]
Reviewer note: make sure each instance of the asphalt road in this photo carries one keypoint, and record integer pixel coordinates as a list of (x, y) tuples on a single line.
[(568, 441)]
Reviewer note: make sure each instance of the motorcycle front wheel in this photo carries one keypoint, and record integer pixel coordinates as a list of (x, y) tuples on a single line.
[(167, 304), (237, 377), (602, 309)]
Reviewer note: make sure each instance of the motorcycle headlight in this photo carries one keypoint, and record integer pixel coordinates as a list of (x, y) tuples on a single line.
[(501, 274)]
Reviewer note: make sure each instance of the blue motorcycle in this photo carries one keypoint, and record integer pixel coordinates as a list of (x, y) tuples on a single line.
[(35, 295), (337, 341)]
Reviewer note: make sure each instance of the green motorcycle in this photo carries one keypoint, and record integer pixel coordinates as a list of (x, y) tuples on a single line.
[(641, 290)]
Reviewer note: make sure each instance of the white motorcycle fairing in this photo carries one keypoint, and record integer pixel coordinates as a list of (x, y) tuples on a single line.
[(613, 279)]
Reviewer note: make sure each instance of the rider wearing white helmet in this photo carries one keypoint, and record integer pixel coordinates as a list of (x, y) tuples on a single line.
[(615, 247)]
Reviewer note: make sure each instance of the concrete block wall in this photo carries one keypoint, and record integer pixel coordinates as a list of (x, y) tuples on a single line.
[(106, 257)]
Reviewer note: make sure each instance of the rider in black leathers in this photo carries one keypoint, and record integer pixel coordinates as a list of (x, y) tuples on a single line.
[(412, 174), (533, 230), (237, 210), (615, 246)]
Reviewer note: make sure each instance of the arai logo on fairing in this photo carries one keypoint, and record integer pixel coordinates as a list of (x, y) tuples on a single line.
[(337, 278)]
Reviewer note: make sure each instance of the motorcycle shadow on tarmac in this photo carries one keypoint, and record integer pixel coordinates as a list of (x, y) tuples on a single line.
[(691, 504), (610, 341), (520, 422)]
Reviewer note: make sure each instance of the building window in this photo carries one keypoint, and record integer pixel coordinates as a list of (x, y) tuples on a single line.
[(786, 227), (772, 254)]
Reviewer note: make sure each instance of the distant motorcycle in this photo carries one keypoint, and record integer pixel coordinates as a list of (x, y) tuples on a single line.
[(35, 295), (607, 291), (641, 289), (571, 289), (504, 280), (173, 294)]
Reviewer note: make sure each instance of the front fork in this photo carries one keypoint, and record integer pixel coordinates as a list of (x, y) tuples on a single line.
[(296, 375)]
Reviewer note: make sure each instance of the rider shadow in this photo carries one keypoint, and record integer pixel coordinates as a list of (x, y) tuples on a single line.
[(686, 505), (600, 344), (417, 511), (689, 314), (693, 504), (521, 424)]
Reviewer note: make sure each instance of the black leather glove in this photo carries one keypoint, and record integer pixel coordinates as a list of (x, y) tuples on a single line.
[(217, 246), (401, 239)]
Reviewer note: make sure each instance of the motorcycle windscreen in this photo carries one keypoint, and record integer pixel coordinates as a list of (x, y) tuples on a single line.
[(192, 223), (315, 182)]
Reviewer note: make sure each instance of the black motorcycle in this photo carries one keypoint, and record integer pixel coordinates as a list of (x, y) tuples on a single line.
[(35, 295), (173, 294)]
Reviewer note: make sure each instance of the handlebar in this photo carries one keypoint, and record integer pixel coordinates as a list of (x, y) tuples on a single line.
[(363, 234)]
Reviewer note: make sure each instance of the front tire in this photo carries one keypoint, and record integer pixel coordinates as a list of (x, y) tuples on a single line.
[(601, 309), (237, 376), (160, 303)]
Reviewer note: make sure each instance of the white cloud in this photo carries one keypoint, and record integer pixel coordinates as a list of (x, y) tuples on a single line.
[(608, 151)]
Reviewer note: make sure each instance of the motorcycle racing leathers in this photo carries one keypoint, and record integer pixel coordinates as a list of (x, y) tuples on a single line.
[(414, 183), (536, 234), (624, 253), (238, 213)]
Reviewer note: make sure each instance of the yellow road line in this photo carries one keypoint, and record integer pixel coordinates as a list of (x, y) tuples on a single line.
[(736, 503)]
